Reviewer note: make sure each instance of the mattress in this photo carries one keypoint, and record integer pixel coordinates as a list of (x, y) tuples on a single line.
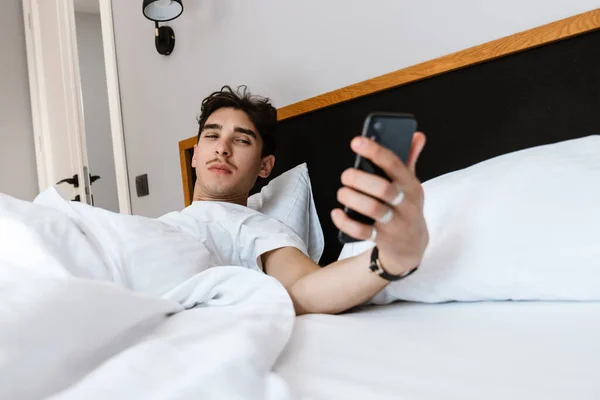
[(495, 350)]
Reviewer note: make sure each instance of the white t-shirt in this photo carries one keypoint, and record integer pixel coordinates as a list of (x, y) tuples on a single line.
[(222, 234), (235, 235)]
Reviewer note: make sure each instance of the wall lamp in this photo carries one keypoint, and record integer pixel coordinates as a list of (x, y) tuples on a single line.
[(162, 11)]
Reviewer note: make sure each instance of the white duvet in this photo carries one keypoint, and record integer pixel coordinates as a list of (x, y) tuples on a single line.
[(71, 327)]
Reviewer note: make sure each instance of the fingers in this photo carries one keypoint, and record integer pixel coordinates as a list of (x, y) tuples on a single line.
[(362, 190), (370, 184), (362, 203), (349, 226), (392, 165), (387, 160), (418, 143)]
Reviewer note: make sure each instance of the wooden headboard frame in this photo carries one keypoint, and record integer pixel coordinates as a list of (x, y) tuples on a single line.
[(525, 40)]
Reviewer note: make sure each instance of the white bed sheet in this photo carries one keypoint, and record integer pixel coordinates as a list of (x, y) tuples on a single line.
[(75, 322), (498, 350)]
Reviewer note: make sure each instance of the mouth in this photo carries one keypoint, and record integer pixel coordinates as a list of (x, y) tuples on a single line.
[(220, 169)]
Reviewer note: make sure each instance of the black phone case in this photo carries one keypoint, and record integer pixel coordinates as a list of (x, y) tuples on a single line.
[(394, 131)]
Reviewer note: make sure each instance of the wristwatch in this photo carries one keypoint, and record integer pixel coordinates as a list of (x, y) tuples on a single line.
[(377, 268)]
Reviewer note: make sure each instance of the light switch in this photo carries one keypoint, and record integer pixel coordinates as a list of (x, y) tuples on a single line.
[(141, 185)]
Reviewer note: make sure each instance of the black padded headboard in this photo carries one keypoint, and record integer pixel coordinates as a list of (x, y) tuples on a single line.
[(538, 96)]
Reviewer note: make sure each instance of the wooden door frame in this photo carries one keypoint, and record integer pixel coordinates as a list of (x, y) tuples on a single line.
[(41, 128)]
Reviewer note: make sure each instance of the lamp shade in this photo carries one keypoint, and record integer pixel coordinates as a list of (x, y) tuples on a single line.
[(162, 10)]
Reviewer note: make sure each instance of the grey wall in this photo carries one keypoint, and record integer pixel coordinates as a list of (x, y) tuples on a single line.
[(95, 109), (288, 50), (18, 174)]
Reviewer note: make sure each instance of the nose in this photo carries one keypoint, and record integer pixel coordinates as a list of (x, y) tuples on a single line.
[(223, 148)]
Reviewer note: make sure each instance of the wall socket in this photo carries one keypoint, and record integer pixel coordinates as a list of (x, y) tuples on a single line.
[(141, 185)]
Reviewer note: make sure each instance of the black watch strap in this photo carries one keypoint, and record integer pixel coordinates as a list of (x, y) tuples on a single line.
[(377, 268)]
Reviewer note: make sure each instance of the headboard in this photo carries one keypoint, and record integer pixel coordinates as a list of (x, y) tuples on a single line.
[(536, 87)]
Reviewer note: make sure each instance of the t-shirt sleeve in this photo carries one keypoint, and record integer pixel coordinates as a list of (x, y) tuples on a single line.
[(261, 234)]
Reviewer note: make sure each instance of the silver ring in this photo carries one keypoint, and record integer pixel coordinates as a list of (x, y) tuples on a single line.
[(373, 235), (387, 217), (398, 199)]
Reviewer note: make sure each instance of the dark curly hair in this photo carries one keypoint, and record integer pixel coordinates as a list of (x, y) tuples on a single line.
[(259, 109)]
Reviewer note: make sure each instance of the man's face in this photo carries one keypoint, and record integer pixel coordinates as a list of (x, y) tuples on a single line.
[(228, 158)]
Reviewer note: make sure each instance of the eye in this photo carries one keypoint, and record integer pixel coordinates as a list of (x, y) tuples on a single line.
[(244, 141), (211, 136)]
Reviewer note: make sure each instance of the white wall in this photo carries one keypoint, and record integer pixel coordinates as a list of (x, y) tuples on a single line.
[(18, 175), (95, 108), (286, 50)]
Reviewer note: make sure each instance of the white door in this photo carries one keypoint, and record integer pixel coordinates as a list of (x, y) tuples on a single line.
[(75, 102)]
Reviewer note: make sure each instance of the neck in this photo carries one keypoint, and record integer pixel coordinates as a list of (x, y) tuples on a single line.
[(240, 199)]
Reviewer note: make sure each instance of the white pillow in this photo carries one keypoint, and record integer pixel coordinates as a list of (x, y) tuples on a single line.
[(289, 199), (521, 226)]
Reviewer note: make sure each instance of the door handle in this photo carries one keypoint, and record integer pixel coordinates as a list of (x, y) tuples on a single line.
[(71, 181), (75, 180)]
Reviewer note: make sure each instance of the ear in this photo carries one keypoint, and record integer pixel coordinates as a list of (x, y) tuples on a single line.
[(266, 166), (194, 156)]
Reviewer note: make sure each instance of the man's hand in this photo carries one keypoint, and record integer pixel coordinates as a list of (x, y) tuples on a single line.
[(400, 231), (401, 239)]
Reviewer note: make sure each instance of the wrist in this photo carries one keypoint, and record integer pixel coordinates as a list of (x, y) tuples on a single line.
[(396, 265), (396, 272)]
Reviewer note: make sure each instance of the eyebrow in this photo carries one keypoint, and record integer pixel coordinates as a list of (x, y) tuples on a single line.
[(212, 126), (238, 129), (245, 131)]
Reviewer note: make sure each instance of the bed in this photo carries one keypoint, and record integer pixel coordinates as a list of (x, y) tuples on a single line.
[(500, 350), (535, 88), (97, 305)]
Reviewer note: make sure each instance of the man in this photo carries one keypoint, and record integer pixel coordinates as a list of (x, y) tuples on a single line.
[(236, 142)]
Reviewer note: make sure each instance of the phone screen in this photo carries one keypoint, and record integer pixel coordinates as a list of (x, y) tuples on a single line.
[(392, 131)]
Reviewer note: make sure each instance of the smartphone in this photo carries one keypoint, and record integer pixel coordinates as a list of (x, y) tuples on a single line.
[(393, 131)]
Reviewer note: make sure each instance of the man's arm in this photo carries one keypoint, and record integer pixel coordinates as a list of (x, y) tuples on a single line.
[(401, 240), (330, 290)]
